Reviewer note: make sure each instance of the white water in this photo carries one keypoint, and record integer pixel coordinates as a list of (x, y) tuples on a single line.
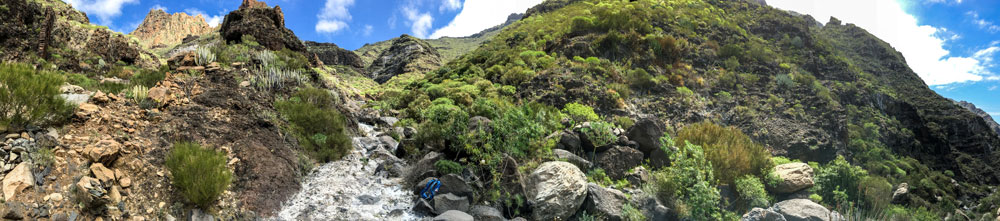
[(336, 190)]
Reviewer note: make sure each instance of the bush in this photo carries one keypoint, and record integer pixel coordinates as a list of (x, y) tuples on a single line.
[(687, 184), (600, 133), (448, 167), (443, 124), (30, 97), (639, 78), (580, 113), (838, 182), (732, 153), (316, 123), (200, 174), (751, 192), (149, 78)]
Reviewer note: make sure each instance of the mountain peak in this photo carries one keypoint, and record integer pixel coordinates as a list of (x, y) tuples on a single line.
[(161, 29)]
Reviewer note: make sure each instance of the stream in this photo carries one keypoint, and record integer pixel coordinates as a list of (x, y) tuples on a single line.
[(353, 188)]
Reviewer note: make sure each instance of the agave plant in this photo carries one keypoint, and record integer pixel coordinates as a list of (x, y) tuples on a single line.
[(204, 56)]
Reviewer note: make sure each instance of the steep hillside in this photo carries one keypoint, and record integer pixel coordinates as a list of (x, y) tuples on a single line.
[(831, 94), (406, 54), (986, 116), (449, 47), (161, 30)]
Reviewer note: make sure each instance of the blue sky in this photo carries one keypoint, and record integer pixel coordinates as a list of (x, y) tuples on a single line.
[(951, 44)]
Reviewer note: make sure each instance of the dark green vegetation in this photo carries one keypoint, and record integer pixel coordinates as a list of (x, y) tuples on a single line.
[(200, 173), (316, 123), (30, 97), (830, 94), (449, 47)]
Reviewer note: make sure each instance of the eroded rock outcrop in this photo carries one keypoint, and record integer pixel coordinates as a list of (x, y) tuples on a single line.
[(331, 54), (986, 116), (407, 54), (161, 29), (266, 25)]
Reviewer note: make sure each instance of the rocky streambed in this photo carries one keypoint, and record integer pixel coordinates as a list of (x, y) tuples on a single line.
[(364, 185)]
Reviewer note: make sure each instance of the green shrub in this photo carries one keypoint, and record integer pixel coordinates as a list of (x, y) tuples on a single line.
[(630, 213), (838, 181), (200, 174), (687, 185), (639, 78), (600, 133), (785, 81), (580, 113), (316, 123), (149, 78), (685, 92), (29, 97), (732, 153), (624, 122), (582, 24), (875, 192), (443, 124), (751, 191), (448, 167)]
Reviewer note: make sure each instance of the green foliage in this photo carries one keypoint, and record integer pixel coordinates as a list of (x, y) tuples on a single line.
[(137, 93), (687, 185), (732, 153), (784, 81), (751, 191), (580, 113), (624, 122), (200, 174), (838, 181), (29, 97), (316, 123), (442, 122), (148, 78), (42, 157), (685, 92), (448, 166), (630, 213), (204, 56), (600, 133)]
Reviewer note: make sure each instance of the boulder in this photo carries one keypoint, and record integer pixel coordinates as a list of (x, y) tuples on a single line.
[(646, 132), (760, 214), (185, 59), (85, 110), (794, 177), (572, 158), (652, 208), (448, 201), (480, 123), (802, 210), (455, 184), (105, 151), (14, 211), (486, 213), (618, 160), (569, 141), (638, 176), (418, 170), (453, 215), (556, 190), (604, 202), (102, 173), (17, 180), (266, 25), (900, 195)]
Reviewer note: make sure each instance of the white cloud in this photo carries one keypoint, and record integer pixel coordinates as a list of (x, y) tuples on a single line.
[(212, 20), (105, 10), (477, 15), (368, 30), (921, 45), (334, 16), (993, 88), (450, 5), (420, 23), (160, 7), (945, 1), (983, 23)]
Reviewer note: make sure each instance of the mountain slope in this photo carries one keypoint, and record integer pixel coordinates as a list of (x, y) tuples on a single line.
[(449, 47), (986, 116), (160, 30)]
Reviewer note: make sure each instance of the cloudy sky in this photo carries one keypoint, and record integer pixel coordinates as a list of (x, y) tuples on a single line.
[(951, 44)]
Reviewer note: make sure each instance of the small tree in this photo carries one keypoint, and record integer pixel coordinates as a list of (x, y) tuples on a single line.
[(28, 97), (200, 174)]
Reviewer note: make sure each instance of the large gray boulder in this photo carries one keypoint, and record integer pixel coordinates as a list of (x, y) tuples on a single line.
[(761, 214), (794, 177), (448, 201), (556, 190), (486, 213), (618, 160), (802, 210), (604, 202), (453, 215), (560, 154)]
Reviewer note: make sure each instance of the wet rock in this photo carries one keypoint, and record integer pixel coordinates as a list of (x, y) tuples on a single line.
[(604, 202), (760, 214), (17, 180), (572, 158), (448, 201), (646, 132), (794, 177), (453, 215), (619, 160), (802, 210), (486, 213), (556, 190)]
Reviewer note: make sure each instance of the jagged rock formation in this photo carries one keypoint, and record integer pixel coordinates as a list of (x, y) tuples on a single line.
[(161, 29), (986, 116), (266, 25), (450, 48), (42, 29), (407, 54), (331, 54)]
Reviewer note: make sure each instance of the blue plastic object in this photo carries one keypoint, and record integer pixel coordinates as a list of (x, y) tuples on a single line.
[(431, 189)]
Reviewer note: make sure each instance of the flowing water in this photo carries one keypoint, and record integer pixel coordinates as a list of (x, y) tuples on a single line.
[(352, 188)]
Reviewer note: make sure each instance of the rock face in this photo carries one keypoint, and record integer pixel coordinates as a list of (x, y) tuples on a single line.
[(407, 54), (794, 177), (331, 54), (604, 202), (556, 190), (986, 116), (802, 210), (161, 29), (267, 25)]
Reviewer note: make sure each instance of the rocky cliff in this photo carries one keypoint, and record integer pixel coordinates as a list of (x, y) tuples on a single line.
[(986, 116), (266, 25), (406, 55), (161, 29), (331, 54)]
